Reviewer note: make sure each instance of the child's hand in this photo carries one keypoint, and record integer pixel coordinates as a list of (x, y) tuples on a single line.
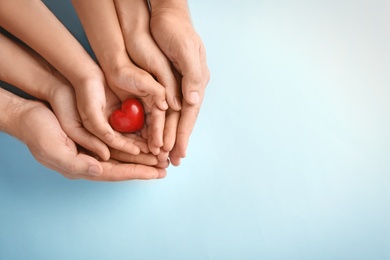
[(125, 78), (134, 19), (154, 115)]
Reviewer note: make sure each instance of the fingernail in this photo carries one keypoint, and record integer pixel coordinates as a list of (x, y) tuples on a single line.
[(194, 97), (177, 102), (165, 105), (94, 170)]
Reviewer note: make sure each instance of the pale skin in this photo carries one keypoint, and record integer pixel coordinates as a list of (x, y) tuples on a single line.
[(187, 56), (123, 76), (171, 28), (134, 19), (53, 148), (34, 24), (45, 138), (154, 41)]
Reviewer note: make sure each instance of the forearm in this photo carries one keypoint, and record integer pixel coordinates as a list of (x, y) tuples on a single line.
[(27, 71), (100, 22), (33, 23), (133, 17)]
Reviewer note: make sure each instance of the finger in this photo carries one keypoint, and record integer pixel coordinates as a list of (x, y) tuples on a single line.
[(189, 114), (163, 156), (142, 158), (163, 164), (134, 19), (95, 122), (70, 122), (150, 58), (100, 128), (71, 164), (144, 132), (161, 68), (170, 129), (190, 68), (115, 171), (152, 147), (127, 145), (174, 157), (140, 83), (158, 117), (88, 141), (144, 82), (150, 121), (139, 141)]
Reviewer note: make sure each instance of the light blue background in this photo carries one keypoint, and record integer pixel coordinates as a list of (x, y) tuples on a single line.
[(289, 158)]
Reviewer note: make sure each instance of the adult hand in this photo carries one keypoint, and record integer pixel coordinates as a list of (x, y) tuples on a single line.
[(41, 80), (40, 130), (171, 28), (33, 23)]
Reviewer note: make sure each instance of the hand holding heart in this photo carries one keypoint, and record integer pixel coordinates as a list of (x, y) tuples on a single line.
[(166, 73), (130, 118)]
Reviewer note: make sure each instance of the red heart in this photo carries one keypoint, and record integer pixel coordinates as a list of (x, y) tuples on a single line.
[(130, 118)]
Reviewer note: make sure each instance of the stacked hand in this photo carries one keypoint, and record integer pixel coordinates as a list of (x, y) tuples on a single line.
[(155, 56)]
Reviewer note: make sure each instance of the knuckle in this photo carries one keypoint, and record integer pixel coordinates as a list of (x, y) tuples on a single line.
[(195, 77)]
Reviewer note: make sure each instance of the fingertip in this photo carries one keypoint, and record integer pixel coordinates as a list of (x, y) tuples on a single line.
[(155, 150), (192, 97), (104, 154), (162, 173), (163, 156), (95, 170), (163, 165), (163, 105), (109, 137), (180, 149), (145, 149), (158, 142), (136, 150), (176, 103), (174, 157), (175, 161)]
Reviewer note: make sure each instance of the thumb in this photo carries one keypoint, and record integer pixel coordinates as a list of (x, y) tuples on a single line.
[(73, 164), (190, 68), (84, 165)]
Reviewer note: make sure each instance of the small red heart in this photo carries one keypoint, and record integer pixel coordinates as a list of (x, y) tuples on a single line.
[(130, 118)]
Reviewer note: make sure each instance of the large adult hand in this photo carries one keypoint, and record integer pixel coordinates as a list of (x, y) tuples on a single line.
[(40, 130), (172, 30)]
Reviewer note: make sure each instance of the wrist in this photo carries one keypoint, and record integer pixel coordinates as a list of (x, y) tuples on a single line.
[(57, 86), (114, 65), (110, 60), (90, 74), (174, 4), (11, 107), (158, 7)]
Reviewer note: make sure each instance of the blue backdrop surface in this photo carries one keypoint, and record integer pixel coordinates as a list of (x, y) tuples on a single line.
[(290, 157)]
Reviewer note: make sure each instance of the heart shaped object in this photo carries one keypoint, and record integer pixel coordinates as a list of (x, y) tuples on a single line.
[(130, 118)]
